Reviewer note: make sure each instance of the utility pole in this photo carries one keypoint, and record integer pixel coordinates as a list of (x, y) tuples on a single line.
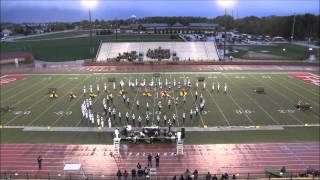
[(225, 33), (293, 24), (90, 24)]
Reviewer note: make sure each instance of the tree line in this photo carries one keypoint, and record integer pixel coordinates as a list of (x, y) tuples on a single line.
[(306, 25)]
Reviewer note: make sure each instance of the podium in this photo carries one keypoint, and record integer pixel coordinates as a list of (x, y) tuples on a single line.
[(74, 168)]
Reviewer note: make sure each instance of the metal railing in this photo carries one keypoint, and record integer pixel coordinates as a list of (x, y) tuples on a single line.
[(9, 175)]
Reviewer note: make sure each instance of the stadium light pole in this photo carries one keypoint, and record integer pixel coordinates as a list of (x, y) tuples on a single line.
[(90, 4), (225, 4)]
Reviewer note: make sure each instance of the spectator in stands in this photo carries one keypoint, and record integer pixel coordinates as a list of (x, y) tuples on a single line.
[(214, 177), (283, 169), (146, 171), (119, 174), (133, 174), (181, 177), (125, 174), (149, 160), (187, 173), (138, 166), (208, 176), (195, 175), (140, 173), (157, 159), (39, 162)]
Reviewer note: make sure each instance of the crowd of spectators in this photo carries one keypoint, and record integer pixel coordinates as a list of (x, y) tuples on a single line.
[(158, 53)]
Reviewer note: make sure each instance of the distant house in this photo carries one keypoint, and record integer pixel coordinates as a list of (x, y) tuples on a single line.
[(6, 32), (176, 28)]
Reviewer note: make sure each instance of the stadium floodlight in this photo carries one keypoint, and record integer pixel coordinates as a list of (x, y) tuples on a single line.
[(89, 3), (226, 3)]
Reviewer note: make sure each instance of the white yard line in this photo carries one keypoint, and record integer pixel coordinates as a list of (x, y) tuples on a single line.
[(286, 80), (22, 91), (254, 101), (277, 104), (49, 107), (33, 104), (193, 99), (234, 101), (174, 101), (56, 121), (290, 100), (295, 92), (135, 98)]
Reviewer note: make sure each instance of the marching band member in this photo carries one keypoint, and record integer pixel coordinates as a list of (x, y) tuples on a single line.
[(105, 86), (174, 118), (119, 115), (218, 88), (139, 121), (212, 87), (225, 88), (102, 122), (98, 88), (84, 90), (127, 117), (158, 119), (204, 85), (128, 101), (196, 95), (183, 117), (164, 120), (197, 84), (147, 119), (114, 85), (91, 88), (138, 104), (147, 106), (133, 120), (109, 122)]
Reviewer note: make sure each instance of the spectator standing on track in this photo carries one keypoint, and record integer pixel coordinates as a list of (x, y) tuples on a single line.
[(157, 160), (125, 174), (174, 178), (149, 160), (181, 177), (195, 175), (214, 177), (133, 174), (119, 174), (138, 166), (39, 162), (208, 176)]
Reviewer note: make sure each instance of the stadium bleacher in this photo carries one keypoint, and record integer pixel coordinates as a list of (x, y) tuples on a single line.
[(195, 51)]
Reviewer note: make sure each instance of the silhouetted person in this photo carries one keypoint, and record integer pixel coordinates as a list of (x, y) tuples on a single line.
[(39, 162), (174, 178), (157, 160), (208, 176), (138, 166), (195, 174), (181, 177), (119, 174), (149, 160), (133, 174)]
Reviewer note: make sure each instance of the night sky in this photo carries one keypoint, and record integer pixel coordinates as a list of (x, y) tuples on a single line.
[(73, 10)]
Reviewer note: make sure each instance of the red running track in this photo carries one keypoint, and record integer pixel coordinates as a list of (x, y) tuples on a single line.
[(162, 67), (217, 158)]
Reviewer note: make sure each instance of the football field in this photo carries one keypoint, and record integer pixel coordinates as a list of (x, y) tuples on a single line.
[(25, 102)]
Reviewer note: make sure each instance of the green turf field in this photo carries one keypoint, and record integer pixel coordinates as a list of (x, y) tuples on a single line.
[(241, 106), (292, 51), (72, 48)]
